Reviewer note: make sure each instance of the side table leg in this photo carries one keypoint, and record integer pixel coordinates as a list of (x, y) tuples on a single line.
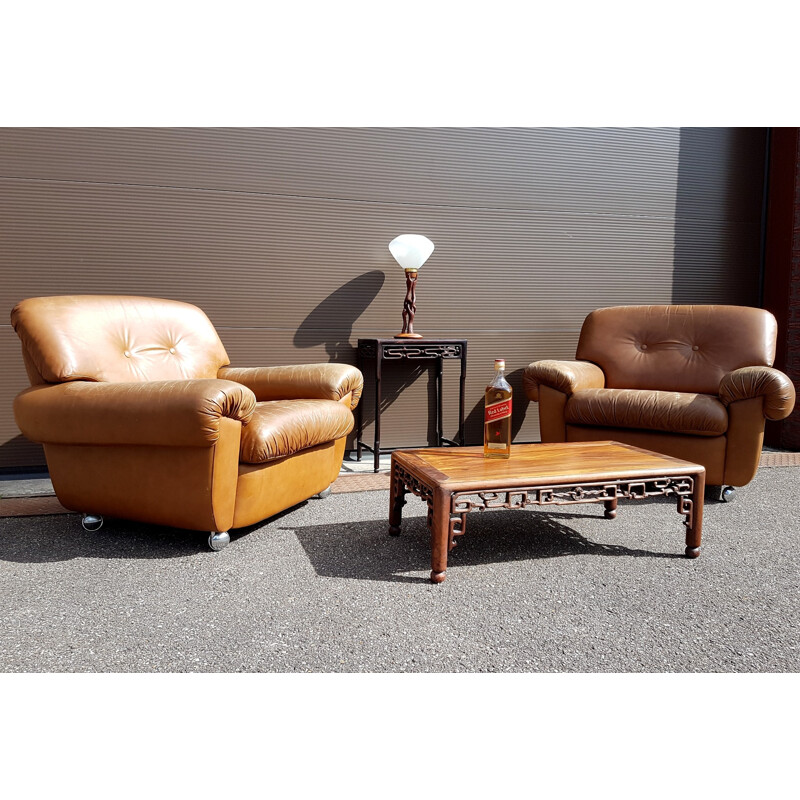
[(694, 521), (461, 385), (359, 417), (397, 499), (377, 444), (439, 413), (440, 534)]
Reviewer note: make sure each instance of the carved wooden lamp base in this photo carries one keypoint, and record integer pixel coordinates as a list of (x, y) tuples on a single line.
[(409, 307)]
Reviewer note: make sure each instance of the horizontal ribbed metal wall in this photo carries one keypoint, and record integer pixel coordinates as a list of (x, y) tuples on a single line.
[(280, 234)]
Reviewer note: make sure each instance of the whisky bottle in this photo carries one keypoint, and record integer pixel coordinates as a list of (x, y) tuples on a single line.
[(497, 415)]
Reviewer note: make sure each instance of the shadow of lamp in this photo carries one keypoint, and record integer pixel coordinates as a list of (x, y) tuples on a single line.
[(411, 251)]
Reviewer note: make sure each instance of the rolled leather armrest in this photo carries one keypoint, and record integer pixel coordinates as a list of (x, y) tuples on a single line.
[(177, 413), (565, 376), (771, 384), (303, 381)]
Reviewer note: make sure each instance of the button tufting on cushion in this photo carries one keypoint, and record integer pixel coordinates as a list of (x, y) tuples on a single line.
[(279, 428)]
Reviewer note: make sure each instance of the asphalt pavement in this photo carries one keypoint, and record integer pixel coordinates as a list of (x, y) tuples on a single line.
[(323, 588)]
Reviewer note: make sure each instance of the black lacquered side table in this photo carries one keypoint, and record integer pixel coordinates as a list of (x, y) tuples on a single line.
[(377, 351)]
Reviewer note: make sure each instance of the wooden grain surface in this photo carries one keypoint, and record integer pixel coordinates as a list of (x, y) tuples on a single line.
[(465, 467)]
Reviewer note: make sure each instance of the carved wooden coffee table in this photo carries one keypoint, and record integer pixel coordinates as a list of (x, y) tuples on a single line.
[(455, 481)]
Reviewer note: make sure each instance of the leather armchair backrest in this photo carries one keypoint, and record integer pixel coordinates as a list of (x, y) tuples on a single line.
[(116, 338), (676, 348)]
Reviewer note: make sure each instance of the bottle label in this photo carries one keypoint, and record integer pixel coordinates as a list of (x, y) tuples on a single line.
[(497, 411)]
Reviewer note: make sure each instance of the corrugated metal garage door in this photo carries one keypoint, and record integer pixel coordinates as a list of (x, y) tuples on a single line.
[(281, 235)]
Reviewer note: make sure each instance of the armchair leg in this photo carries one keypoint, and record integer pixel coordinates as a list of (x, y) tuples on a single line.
[(91, 522), (218, 541), (728, 494), (324, 493), (722, 494)]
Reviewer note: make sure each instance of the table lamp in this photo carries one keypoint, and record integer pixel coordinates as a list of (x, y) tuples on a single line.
[(411, 251)]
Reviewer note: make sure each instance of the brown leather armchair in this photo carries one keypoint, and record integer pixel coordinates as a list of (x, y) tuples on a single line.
[(142, 418), (694, 382)]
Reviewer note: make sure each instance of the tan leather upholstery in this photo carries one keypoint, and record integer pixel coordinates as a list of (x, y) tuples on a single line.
[(269, 488), (317, 381), (183, 413), (141, 418), (695, 382), (184, 487), (281, 428), (113, 338)]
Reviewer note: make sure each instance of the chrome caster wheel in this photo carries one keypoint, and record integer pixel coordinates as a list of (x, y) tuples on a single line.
[(728, 494), (218, 541), (324, 493), (92, 522)]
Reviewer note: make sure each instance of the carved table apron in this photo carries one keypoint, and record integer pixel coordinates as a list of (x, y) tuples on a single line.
[(451, 492)]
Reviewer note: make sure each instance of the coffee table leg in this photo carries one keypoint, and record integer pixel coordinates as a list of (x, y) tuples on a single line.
[(440, 535), (611, 508), (694, 527), (397, 499)]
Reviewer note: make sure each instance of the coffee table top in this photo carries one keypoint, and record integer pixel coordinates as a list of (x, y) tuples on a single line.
[(465, 467)]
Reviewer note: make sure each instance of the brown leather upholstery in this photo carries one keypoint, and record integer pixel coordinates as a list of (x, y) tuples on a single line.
[(141, 418), (673, 412), (708, 451), (695, 382), (696, 346), (552, 425), (750, 382), (564, 376)]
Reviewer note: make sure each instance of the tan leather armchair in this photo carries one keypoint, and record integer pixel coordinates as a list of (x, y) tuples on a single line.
[(694, 382), (142, 418)]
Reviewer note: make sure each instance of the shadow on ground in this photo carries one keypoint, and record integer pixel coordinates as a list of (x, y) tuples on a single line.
[(350, 550), (60, 537), (364, 550)]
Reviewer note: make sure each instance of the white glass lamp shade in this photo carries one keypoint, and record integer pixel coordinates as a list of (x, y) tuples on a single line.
[(411, 250)]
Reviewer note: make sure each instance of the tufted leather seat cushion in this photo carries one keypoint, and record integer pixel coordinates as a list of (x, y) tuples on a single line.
[(673, 412), (279, 428)]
